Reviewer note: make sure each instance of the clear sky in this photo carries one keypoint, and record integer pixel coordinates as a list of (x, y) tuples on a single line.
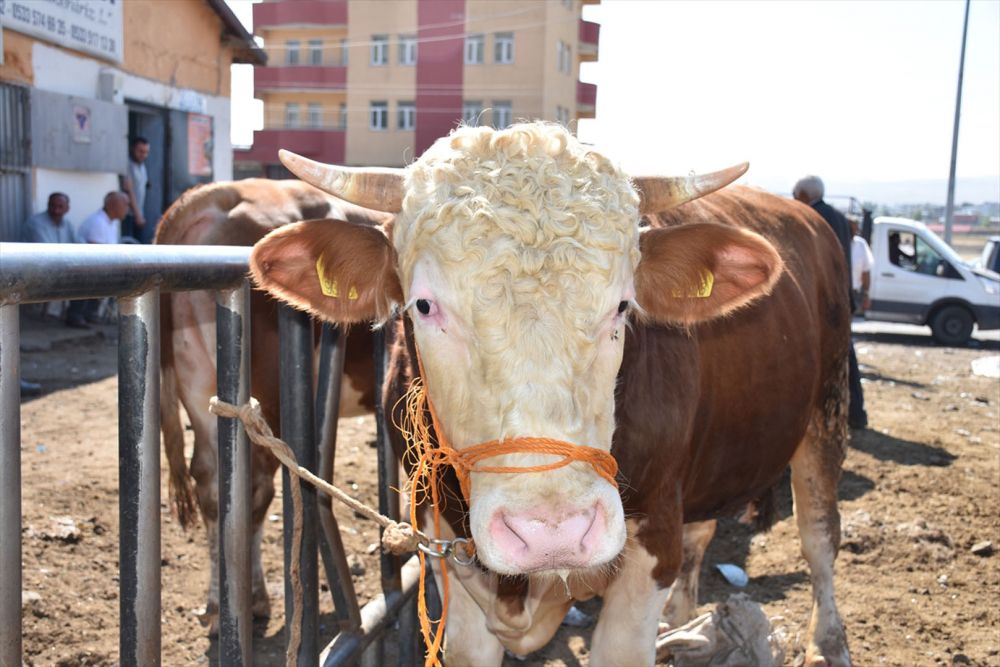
[(852, 90)]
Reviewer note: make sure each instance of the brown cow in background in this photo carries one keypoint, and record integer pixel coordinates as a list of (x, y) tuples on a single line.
[(237, 213)]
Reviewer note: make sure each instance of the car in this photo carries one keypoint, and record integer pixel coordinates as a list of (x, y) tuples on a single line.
[(990, 257), (918, 279)]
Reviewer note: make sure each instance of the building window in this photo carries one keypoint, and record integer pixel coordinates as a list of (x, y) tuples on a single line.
[(380, 50), (568, 60), (315, 51), (291, 114), (567, 3), (407, 49), (471, 112), (503, 47), (406, 115), (343, 52), (292, 52), (343, 116), (502, 115), (315, 115), (561, 56), (378, 116), (475, 45)]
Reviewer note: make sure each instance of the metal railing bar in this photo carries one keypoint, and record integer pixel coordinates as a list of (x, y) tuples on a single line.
[(346, 649), (33, 272), (295, 335), (338, 573), (388, 465), (10, 487), (139, 477), (232, 313)]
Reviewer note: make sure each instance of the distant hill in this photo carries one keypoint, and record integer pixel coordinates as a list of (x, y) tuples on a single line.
[(931, 191)]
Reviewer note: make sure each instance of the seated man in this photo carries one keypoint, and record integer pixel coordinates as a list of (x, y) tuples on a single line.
[(52, 226), (102, 225)]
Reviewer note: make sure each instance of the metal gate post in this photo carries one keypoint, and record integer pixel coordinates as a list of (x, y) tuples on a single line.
[(297, 430), (338, 573), (139, 477), (10, 487), (232, 332)]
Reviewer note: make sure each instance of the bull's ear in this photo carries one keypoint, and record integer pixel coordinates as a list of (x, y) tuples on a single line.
[(696, 272), (338, 271)]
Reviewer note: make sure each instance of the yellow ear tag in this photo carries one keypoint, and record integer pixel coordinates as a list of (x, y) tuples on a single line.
[(353, 294), (328, 286), (704, 287)]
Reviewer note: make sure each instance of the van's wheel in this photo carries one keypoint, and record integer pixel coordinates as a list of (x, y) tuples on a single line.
[(952, 325)]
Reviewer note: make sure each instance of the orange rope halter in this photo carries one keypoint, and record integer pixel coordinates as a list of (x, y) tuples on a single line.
[(429, 454)]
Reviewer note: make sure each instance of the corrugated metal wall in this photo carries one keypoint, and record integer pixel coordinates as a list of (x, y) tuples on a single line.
[(15, 159)]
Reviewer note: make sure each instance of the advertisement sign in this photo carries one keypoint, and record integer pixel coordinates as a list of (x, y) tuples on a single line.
[(199, 145), (90, 26)]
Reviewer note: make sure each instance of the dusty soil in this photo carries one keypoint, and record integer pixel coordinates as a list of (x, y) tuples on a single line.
[(920, 488)]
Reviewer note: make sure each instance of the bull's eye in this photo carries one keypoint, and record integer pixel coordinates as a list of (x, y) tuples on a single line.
[(622, 306), (424, 306)]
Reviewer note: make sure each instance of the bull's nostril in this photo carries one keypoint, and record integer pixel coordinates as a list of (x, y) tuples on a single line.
[(514, 532)]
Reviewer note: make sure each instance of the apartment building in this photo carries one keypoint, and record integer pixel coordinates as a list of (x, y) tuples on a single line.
[(357, 82)]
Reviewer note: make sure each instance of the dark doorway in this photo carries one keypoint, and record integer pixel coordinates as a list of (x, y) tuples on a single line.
[(151, 122), (180, 156)]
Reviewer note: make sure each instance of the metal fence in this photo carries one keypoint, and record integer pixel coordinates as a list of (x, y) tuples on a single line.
[(15, 159), (138, 275)]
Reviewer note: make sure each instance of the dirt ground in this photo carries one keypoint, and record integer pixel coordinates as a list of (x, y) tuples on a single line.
[(920, 488)]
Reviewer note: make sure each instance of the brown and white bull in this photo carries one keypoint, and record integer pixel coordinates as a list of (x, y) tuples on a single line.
[(237, 213), (704, 352)]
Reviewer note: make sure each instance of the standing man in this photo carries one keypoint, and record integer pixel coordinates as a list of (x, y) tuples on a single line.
[(862, 262), (136, 182), (810, 190)]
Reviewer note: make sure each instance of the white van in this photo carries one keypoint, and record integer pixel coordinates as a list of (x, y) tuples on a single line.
[(919, 279)]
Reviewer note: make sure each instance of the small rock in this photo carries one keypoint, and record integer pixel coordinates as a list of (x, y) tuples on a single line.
[(962, 431), (922, 397), (982, 548), (357, 565), (273, 517), (951, 407), (960, 659), (372, 548), (29, 597)]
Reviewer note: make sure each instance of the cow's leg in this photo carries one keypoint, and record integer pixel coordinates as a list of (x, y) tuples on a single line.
[(630, 618), (682, 601), (204, 471), (816, 469), (468, 639)]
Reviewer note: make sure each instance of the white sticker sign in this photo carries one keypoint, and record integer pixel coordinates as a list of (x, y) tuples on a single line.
[(90, 26)]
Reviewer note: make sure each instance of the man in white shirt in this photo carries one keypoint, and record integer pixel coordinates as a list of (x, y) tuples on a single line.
[(862, 262), (102, 225)]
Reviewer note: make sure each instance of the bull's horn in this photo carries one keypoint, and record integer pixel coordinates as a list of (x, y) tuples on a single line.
[(658, 193), (377, 188)]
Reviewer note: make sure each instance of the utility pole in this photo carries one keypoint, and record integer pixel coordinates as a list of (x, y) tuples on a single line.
[(950, 207)]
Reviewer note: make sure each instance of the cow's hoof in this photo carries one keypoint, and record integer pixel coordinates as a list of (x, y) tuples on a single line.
[(210, 619), (815, 658), (261, 605)]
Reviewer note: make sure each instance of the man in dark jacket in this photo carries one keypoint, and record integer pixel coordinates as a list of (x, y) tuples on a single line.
[(809, 190)]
